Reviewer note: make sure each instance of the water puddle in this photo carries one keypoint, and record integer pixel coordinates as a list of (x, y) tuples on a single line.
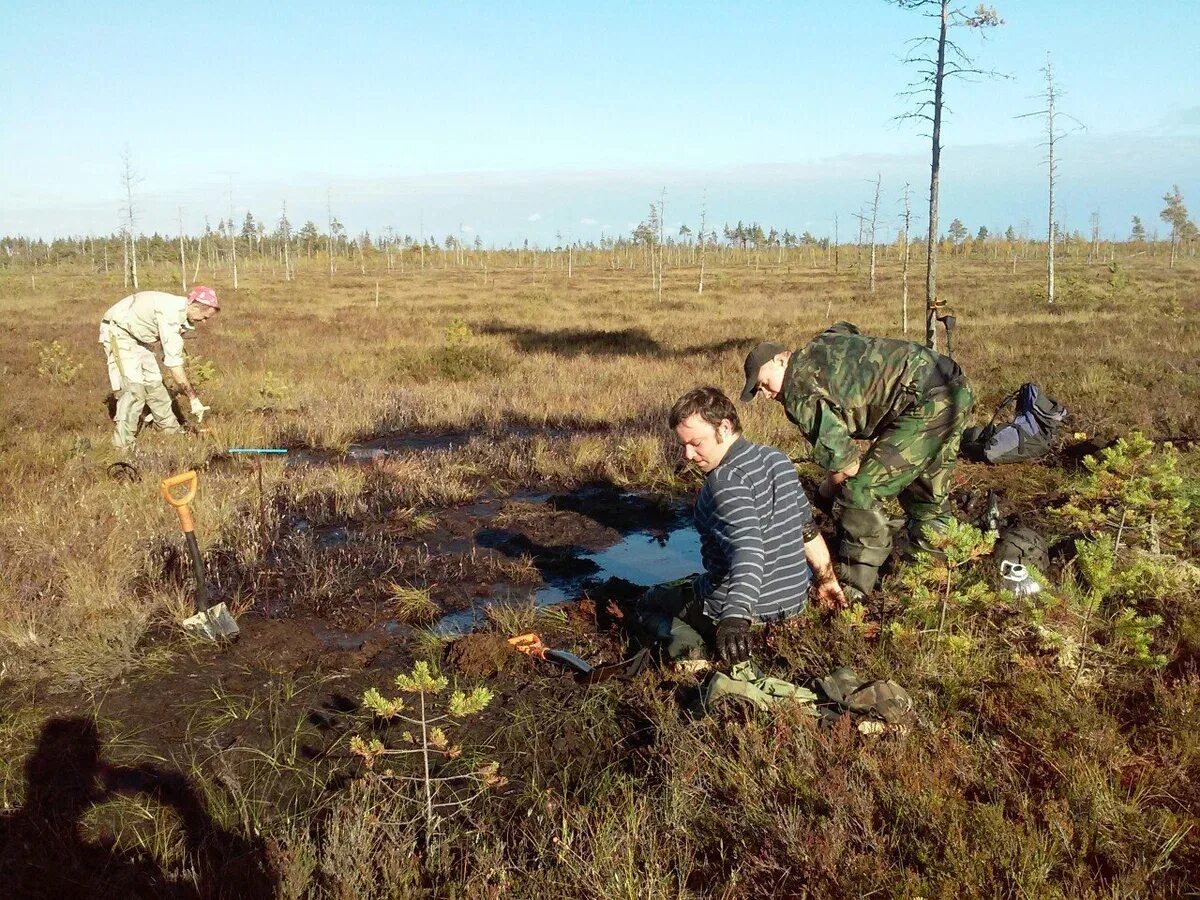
[(400, 444), (641, 557)]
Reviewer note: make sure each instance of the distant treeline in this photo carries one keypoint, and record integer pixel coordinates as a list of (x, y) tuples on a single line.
[(253, 240)]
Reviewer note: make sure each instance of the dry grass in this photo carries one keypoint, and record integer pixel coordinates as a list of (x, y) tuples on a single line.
[(1024, 787), (318, 364), (413, 605)]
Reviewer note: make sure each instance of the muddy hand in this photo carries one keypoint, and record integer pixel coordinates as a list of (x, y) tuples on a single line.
[(829, 596)]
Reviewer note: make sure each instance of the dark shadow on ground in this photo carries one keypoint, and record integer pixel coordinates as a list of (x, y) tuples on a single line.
[(392, 438), (43, 852), (578, 341), (572, 342)]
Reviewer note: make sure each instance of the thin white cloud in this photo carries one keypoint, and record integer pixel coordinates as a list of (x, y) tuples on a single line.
[(587, 220), (536, 217), (465, 228)]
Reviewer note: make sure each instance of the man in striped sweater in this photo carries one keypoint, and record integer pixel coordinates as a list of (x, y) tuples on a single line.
[(757, 540)]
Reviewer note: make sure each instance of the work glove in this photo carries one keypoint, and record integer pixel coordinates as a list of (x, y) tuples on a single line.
[(199, 409), (733, 640)]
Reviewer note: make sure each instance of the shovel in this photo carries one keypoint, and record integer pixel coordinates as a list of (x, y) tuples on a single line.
[(211, 622), (585, 673)]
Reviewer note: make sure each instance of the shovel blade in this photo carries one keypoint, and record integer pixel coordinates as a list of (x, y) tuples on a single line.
[(214, 623)]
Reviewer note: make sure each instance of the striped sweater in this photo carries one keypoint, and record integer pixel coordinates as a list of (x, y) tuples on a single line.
[(751, 514)]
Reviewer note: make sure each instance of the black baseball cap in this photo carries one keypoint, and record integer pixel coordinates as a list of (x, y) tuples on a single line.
[(759, 357)]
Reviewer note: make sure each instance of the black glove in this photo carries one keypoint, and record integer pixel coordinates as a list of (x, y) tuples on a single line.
[(733, 640)]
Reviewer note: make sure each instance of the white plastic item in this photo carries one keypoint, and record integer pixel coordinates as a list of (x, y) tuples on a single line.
[(1016, 579)]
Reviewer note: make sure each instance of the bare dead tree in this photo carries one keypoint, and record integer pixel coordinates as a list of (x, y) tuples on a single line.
[(904, 271), (1052, 114), (862, 222), (129, 178), (200, 248), (285, 237), (836, 245), (232, 239), (703, 225), (182, 255), (662, 243), (874, 220), (938, 58), (329, 225)]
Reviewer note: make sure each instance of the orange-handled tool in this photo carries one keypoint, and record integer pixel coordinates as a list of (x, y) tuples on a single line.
[(531, 645), (210, 622), (585, 673), (181, 504)]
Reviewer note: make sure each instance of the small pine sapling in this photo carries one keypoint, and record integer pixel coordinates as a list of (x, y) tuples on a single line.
[(434, 792)]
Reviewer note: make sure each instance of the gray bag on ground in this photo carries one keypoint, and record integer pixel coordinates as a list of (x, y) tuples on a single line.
[(1029, 435)]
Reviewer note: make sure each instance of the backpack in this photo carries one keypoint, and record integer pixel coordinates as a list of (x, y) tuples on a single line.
[(1029, 436)]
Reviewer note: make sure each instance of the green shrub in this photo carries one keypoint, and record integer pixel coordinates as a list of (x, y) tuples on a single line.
[(427, 783), (274, 388), (1119, 279), (56, 364), (461, 358), (201, 371)]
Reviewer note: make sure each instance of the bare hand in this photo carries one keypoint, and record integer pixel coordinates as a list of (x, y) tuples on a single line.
[(829, 596)]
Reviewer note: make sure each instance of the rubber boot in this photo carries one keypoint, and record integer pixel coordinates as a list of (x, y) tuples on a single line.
[(128, 414), (864, 542), (857, 580), (920, 538)]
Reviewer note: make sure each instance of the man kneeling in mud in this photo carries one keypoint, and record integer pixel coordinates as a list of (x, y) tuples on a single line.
[(757, 541)]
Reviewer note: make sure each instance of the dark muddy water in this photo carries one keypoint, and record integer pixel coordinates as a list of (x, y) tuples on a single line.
[(401, 443), (595, 540), (641, 557)]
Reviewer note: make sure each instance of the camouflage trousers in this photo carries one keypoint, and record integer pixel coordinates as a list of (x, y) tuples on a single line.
[(913, 460)]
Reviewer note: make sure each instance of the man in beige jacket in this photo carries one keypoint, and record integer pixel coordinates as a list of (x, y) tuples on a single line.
[(128, 333)]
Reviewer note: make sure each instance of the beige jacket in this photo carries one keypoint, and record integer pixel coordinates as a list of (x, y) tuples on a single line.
[(151, 317)]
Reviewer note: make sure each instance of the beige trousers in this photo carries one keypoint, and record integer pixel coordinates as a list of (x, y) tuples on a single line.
[(133, 370)]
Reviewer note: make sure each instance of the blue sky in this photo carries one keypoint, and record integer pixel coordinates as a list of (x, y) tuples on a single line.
[(525, 120)]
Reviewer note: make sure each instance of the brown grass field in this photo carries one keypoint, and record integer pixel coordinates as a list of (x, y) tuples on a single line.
[(512, 411)]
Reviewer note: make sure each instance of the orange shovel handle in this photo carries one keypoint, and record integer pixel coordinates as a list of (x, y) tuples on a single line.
[(529, 644), (180, 504)]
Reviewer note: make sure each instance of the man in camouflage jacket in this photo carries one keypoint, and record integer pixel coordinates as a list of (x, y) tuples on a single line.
[(909, 401)]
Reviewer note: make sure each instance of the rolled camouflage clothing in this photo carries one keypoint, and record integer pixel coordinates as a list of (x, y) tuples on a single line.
[(911, 402)]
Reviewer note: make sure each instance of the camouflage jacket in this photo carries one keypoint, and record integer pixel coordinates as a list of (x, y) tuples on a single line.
[(845, 385)]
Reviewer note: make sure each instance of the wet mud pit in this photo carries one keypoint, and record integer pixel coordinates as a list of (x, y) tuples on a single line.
[(510, 547), (352, 576)]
